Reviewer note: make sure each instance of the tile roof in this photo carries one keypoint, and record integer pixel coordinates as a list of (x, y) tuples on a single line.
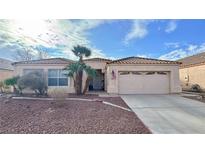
[(98, 59), (140, 60), (46, 61), (197, 59), (5, 64)]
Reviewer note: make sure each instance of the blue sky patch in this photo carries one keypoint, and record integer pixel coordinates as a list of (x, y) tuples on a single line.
[(163, 39)]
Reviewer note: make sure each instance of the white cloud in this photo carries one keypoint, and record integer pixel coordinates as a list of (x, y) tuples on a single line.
[(174, 55), (143, 55), (172, 44), (183, 52), (138, 30), (192, 47), (53, 34), (171, 26)]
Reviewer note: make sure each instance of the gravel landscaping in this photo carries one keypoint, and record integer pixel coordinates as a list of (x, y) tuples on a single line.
[(30, 116)]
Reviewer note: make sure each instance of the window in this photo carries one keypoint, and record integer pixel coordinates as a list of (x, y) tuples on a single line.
[(162, 73), (57, 77), (150, 73), (124, 73), (137, 73)]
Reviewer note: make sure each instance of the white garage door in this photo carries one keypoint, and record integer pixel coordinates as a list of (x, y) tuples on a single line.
[(143, 82)]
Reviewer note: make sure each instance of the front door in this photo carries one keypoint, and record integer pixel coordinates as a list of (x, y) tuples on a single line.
[(97, 82)]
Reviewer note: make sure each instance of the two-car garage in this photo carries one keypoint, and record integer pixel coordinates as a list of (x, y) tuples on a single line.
[(136, 75), (148, 82)]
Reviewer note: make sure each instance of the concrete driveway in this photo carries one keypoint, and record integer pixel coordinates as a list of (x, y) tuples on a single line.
[(168, 113)]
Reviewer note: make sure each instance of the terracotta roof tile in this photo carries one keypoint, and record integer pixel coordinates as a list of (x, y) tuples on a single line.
[(5, 64), (197, 59), (98, 59), (140, 60), (46, 61)]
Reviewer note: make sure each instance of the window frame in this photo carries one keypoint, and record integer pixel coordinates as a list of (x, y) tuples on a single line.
[(58, 77)]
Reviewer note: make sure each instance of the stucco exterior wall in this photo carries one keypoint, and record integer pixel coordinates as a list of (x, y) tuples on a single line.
[(112, 84), (192, 75), (18, 70), (96, 65), (5, 74)]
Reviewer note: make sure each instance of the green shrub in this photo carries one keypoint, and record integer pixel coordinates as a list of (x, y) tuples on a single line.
[(36, 81), (12, 82), (196, 88)]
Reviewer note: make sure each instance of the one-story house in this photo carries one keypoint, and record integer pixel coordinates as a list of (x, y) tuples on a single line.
[(132, 75), (6, 69), (192, 71)]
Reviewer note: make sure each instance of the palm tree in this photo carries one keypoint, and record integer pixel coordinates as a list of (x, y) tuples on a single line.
[(80, 51), (73, 72), (91, 73)]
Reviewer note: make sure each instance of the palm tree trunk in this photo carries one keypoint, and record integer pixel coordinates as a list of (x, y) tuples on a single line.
[(78, 84), (80, 79), (86, 85), (74, 81)]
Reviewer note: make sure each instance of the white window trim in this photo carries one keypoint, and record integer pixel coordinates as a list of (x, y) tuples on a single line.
[(58, 77)]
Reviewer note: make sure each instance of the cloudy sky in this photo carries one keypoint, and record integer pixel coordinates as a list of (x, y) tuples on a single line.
[(164, 39)]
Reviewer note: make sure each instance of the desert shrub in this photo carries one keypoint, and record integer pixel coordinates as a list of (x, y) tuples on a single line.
[(36, 81), (58, 94), (7, 89), (1, 86), (195, 88)]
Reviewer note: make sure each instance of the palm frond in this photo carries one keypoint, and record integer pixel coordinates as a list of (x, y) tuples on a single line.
[(90, 71), (81, 51)]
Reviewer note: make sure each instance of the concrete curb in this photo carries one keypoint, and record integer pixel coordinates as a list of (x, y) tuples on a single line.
[(74, 99)]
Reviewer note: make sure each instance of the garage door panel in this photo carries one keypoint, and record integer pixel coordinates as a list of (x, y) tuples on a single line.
[(144, 84), (157, 84), (128, 83)]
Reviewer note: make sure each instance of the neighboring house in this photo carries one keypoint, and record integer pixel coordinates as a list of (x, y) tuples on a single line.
[(132, 75), (6, 69), (192, 71)]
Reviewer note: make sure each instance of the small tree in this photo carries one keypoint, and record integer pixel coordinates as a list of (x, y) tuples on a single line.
[(24, 55), (12, 82), (35, 80)]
